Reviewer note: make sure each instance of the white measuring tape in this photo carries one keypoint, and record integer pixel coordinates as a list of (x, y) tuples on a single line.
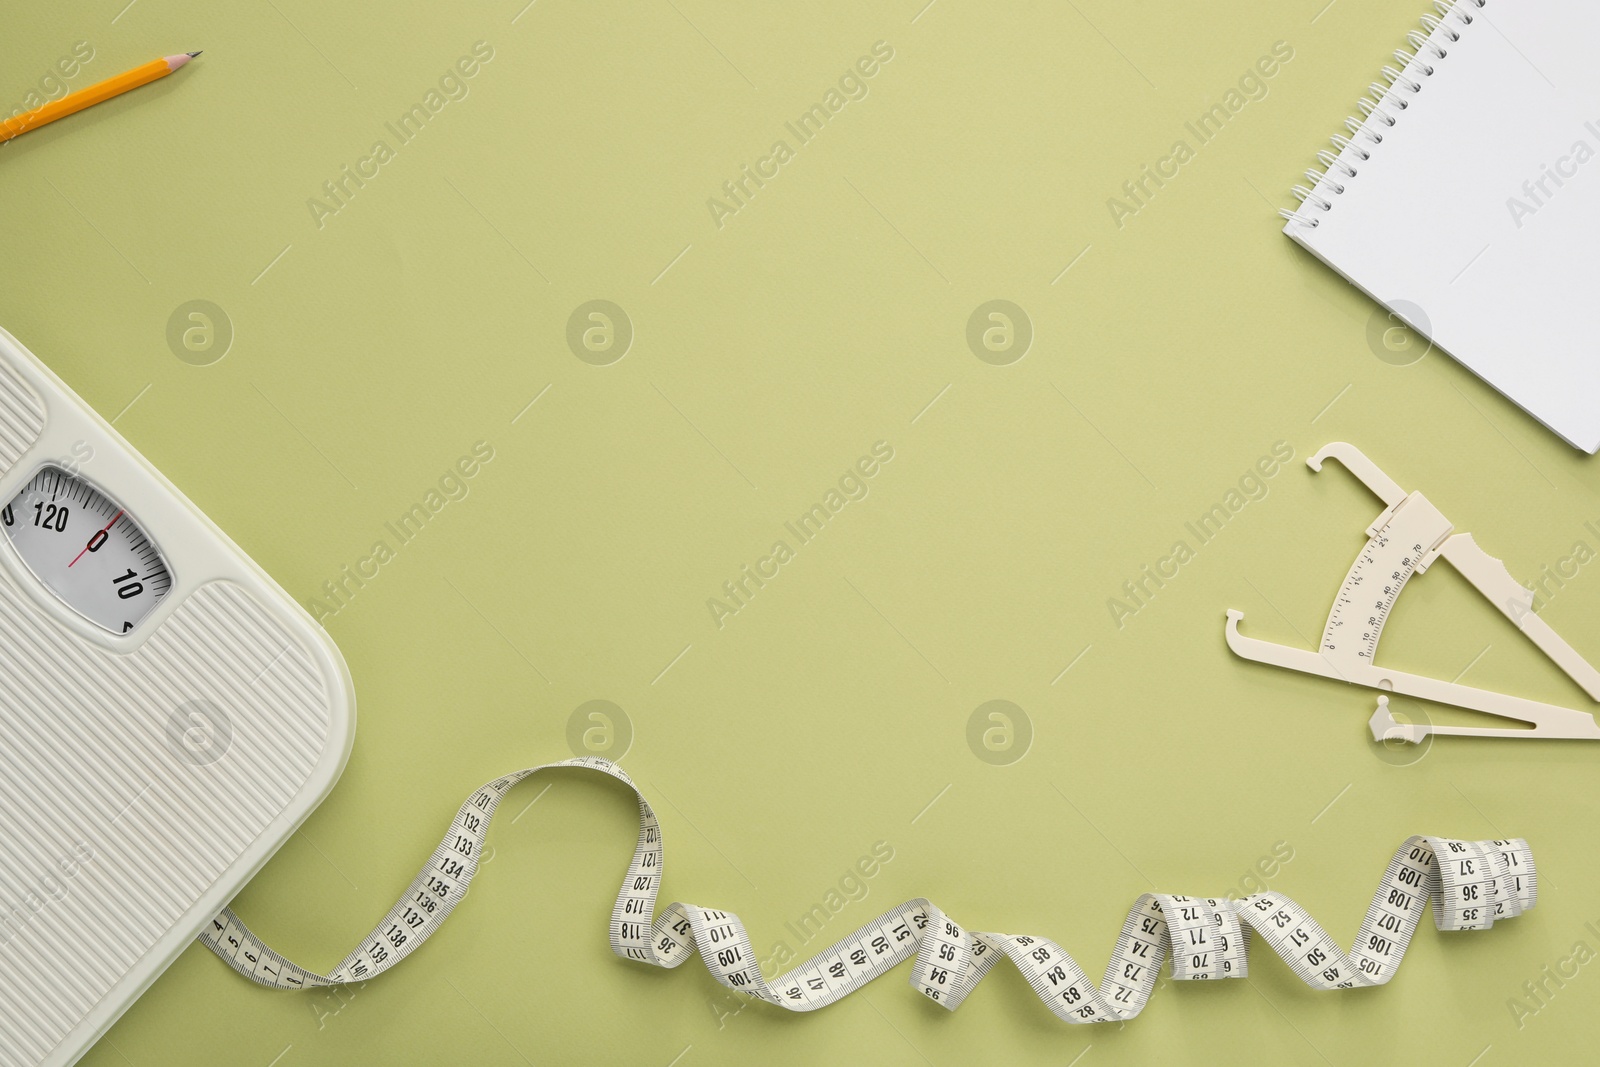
[(1471, 884)]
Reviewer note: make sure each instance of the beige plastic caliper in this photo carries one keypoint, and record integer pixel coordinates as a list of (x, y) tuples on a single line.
[(1404, 540)]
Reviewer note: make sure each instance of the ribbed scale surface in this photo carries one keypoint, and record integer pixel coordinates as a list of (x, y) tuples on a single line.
[(21, 418), (96, 865)]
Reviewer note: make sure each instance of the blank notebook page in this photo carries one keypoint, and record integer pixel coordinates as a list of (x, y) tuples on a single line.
[(1481, 204)]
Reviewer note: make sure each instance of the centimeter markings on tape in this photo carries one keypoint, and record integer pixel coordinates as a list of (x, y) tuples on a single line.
[(1470, 883)]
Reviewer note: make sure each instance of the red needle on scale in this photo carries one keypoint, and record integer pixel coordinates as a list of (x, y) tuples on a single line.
[(103, 529)]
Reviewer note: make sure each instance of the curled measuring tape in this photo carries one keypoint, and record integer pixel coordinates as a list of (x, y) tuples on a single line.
[(1471, 884)]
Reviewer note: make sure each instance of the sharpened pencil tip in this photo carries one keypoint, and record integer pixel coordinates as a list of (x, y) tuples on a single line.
[(191, 55)]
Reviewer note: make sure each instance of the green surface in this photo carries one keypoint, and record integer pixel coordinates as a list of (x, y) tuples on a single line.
[(769, 354)]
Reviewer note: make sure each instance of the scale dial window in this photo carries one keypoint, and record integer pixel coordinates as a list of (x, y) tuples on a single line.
[(86, 549)]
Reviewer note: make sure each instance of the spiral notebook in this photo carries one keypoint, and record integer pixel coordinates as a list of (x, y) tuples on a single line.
[(1465, 196)]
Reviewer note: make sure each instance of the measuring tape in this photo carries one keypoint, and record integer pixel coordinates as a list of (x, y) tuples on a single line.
[(1470, 883)]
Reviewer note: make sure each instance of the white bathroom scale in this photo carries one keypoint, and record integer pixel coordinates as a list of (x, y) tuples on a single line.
[(168, 717)]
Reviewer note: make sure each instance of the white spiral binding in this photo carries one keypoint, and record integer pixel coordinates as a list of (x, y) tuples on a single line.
[(1379, 107), (1470, 884)]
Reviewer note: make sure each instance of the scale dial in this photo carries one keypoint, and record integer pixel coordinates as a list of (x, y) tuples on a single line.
[(86, 550)]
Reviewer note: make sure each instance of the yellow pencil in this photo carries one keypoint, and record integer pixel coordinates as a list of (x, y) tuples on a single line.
[(93, 94)]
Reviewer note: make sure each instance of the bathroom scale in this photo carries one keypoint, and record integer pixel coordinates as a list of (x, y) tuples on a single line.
[(168, 717)]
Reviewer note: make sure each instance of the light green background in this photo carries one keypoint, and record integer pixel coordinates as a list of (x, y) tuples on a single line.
[(769, 354)]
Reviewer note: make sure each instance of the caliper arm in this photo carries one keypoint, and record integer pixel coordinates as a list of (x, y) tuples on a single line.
[(1385, 487), (1515, 601)]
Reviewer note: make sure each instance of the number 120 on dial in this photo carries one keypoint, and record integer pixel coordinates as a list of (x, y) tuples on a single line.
[(86, 550)]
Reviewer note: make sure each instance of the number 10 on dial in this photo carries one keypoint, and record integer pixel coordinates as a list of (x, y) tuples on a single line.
[(86, 550)]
